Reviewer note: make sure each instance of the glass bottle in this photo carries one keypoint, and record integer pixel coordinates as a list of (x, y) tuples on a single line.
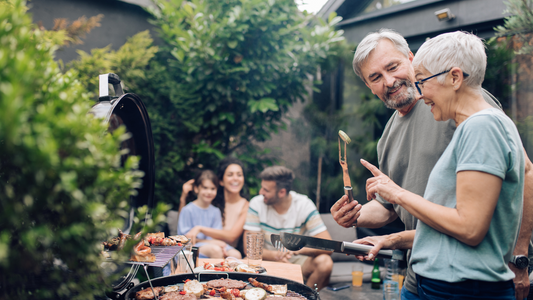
[(376, 276)]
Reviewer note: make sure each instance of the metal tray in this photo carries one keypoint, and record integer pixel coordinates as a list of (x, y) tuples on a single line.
[(163, 255)]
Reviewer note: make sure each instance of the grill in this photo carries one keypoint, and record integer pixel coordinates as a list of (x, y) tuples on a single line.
[(128, 110), (293, 286)]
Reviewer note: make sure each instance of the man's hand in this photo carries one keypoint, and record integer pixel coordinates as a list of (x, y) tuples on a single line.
[(284, 256), (344, 213), (521, 282)]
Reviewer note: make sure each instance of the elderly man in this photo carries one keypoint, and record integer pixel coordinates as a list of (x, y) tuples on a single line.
[(411, 144), (278, 209)]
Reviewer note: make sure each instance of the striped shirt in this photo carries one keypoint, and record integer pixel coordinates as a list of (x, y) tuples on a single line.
[(301, 218)]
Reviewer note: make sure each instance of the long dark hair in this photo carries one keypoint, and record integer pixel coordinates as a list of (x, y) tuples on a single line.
[(219, 200)]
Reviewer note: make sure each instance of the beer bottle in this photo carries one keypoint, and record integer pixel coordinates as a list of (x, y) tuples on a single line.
[(376, 276)]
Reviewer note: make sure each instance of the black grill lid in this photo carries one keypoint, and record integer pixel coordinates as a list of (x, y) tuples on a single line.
[(129, 110)]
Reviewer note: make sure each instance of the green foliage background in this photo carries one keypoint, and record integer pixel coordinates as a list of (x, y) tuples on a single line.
[(62, 188), (224, 78)]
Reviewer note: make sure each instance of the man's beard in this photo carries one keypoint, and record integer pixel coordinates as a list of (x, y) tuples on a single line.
[(270, 201), (401, 100)]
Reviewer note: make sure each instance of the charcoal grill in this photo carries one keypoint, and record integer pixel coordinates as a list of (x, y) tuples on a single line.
[(128, 110), (293, 286)]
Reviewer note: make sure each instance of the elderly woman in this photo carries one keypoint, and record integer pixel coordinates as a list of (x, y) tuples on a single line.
[(470, 214)]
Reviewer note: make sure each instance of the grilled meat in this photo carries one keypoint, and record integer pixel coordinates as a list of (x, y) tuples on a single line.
[(147, 294), (177, 296), (258, 284), (227, 283)]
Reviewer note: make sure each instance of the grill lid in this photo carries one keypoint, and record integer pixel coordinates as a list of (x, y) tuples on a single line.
[(129, 110)]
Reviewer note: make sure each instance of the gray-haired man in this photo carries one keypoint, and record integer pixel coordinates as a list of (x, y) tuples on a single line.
[(411, 144)]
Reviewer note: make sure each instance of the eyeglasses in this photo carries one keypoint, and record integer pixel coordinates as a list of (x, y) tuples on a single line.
[(419, 83)]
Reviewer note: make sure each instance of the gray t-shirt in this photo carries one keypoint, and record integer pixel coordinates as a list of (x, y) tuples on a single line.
[(407, 152)]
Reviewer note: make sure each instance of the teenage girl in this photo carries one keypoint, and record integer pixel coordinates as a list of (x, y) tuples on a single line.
[(201, 212)]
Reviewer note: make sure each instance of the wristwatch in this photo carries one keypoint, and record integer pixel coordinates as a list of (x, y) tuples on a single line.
[(520, 261)]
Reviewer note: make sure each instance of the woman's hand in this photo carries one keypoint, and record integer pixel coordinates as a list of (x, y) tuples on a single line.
[(381, 184), (186, 188)]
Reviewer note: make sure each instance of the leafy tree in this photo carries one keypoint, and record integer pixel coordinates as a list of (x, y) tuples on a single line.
[(515, 43), (236, 66), (62, 188)]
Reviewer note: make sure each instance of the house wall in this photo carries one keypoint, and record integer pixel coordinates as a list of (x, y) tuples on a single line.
[(416, 20), (121, 20)]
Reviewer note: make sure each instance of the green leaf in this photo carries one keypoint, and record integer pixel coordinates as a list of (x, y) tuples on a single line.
[(232, 44), (266, 104)]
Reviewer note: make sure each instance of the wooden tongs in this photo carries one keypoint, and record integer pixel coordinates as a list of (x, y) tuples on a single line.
[(342, 160)]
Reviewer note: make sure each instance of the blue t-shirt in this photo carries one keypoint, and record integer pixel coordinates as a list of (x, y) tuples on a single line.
[(192, 215), (487, 141)]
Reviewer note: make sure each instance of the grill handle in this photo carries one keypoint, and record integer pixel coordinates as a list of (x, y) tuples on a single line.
[(104, 81)]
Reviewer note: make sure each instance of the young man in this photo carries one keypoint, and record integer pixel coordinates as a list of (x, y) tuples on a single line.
[(411, 144), (278, 209)]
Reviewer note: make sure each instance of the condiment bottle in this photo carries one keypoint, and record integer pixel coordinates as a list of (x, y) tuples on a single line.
[(376, 276)]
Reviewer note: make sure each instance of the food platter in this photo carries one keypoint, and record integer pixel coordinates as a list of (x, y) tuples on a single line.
[(230, 264), (201, 269)]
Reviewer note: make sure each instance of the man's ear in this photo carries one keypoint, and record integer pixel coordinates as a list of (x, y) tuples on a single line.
[(411, 56), (282, 193)]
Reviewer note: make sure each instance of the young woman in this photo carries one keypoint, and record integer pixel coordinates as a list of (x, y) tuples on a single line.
[(201, 213)]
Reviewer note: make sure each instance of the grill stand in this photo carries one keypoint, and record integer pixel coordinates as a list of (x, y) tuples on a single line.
[(170, 260)]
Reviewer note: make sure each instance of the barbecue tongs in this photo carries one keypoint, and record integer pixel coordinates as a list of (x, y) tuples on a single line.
[(344, 164), (295, 242)]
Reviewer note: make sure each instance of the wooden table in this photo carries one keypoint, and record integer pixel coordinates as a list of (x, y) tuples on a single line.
[(283, 270)]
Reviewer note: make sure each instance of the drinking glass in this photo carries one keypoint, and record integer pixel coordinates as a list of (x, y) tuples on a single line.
[(357, 274), (254, 248)]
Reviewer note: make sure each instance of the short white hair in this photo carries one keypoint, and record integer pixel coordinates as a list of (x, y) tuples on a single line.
[(370, 42), (454, 49)]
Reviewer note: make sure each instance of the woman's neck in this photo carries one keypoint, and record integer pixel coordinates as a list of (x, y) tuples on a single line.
[(470, 103), (231, 197)]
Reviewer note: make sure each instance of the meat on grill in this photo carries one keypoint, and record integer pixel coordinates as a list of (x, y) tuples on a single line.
[(147, 294), (177, 296), (227, 283)]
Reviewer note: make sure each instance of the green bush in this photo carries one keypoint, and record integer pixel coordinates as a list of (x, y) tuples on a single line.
[(62, 188)]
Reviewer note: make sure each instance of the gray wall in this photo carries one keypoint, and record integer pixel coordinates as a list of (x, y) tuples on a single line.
[(416, 20), (121, 20)]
